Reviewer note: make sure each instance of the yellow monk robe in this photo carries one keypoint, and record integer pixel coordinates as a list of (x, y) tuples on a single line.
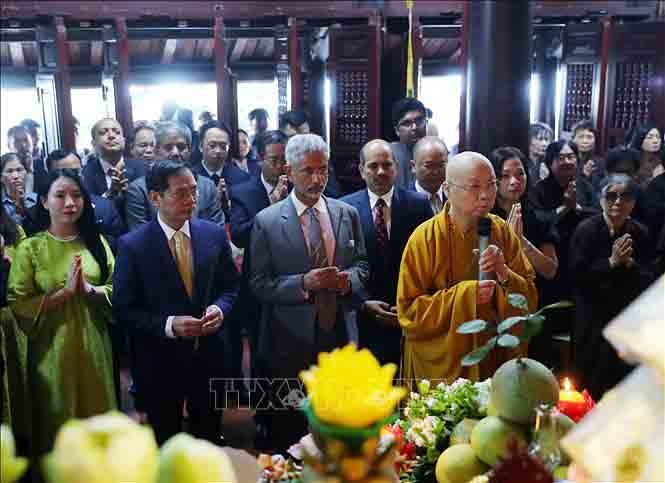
[(437, 293)]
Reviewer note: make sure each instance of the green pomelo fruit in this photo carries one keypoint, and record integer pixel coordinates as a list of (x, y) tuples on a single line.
[(462, 432), (521, 385), (490, 438), (458, 464)]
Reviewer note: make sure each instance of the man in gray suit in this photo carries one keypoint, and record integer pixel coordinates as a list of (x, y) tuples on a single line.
[(174, 142), (308, 268)]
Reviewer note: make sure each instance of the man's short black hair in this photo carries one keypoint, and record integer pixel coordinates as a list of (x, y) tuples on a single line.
[(583, 125), (622, 154), (157, 178), (294, 118), (405, 105), (57, 155), (258, 114), (270, 137), (210, 125)]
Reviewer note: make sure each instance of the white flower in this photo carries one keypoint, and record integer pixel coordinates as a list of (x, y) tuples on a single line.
[(415, 395), (441, 386), (407, 411), (430, 402)]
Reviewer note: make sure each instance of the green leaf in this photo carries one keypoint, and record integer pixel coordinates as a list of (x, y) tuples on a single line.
[(474, 357), (518, 301), (472, 327), (509, 322), (564, 304), (508, 340), (492, 342), (532, 326)]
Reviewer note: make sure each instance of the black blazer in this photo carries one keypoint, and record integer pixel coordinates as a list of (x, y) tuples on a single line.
[(148, 289), (231, 173), (247, 199), (408, 210), (94, 178)]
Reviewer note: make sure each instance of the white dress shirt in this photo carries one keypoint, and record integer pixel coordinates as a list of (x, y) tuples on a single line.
[(388, 199), (436, 206), (269, 188), (106, 166), (211, 173)]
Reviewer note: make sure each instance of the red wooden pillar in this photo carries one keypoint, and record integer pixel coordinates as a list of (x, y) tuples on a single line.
[(220, 65), (605, 48), (64, 84), (123, 104), (294, 65), (463, 60)]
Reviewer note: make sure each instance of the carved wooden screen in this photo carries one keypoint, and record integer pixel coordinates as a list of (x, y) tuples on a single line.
[(354, 73), (582, 46), (636, 92)]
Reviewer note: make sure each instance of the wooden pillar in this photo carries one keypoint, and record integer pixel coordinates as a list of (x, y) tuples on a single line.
[(374, 93), (64, 85), (417, 40), (605, 49), (498, 75), (220, 65), (294, 65), (464, 57), (123, 104)]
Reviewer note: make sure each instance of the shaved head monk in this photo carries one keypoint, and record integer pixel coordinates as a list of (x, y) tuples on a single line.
[(438, 287)]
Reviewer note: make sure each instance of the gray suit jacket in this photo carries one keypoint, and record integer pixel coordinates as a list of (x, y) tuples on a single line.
[(278, 262), (139, 209), (403, 154)]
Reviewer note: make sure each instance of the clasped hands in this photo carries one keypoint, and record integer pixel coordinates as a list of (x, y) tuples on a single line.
[(327, 278), (622, 251), (187, 326), (119, 182), (491, 261), (76, 282)]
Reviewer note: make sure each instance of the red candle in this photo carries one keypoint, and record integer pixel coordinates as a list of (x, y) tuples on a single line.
[(573, 403)]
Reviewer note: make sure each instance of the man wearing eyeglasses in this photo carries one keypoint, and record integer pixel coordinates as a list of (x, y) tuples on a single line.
[(175, 283), (438, 285), (410, 122)]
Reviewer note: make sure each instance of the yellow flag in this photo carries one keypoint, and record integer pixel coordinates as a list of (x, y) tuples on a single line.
[(409, 54)]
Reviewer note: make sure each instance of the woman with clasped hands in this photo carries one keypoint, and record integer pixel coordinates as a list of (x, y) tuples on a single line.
[(59, 290), (610, 267)]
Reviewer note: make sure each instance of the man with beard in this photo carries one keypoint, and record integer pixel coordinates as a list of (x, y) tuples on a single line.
[(388, 215), (308, 267), (410, 122), (439, 287), (173, 143)]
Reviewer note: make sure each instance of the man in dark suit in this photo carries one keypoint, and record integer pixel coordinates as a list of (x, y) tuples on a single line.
[(174, 284), (20, 141), (248, 199), (307, 267), (216, 165), (388, 215), (174, 143), (430, 157), (107, 173)]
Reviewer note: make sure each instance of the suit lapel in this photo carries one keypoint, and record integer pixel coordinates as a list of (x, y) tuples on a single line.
[(261, 190), (202, 248), (396, 221), (292, 230), (335, 213), (367, 220), (165, 259)]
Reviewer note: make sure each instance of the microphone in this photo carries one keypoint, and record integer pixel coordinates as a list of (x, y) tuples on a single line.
[(484, 232)]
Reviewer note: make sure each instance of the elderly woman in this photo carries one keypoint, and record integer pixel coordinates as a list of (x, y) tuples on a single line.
[(610, 265), (15, 197)]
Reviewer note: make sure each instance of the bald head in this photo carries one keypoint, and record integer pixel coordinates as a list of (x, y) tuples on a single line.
[(377, 166), (429, 144), (470, 185), (373, 146)]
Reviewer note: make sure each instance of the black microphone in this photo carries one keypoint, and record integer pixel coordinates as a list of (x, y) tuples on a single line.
[(484, 232)]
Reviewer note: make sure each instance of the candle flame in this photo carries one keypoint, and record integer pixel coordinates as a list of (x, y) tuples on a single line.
[(567, 386)]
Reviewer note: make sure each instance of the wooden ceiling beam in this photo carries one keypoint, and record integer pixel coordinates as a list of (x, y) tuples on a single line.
[(16, 53), (169, 51)]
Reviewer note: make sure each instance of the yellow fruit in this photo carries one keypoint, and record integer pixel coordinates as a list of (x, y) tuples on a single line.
[(491, 409), (521, 385), (11, 467), (458, 464), (561, 473), (185, 459), (490, 438), (462, 432)]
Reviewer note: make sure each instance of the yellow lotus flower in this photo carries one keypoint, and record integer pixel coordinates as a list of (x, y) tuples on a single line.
[(350, 389)]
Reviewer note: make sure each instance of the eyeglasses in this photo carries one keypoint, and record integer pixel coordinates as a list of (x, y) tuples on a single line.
[(182, 195), (614, 196), (407, 123), (567, 157), (490, 188)]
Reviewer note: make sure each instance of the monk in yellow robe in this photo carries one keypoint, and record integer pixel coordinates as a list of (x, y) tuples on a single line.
[(438, 287)]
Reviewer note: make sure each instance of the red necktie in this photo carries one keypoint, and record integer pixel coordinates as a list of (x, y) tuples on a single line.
[(380, 229)]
